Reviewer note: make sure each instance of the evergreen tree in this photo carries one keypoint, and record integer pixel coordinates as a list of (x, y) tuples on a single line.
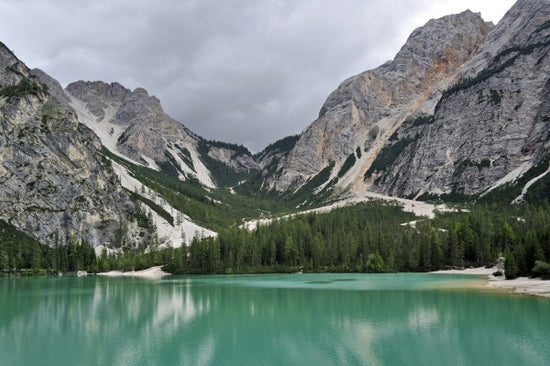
[(510, 266)]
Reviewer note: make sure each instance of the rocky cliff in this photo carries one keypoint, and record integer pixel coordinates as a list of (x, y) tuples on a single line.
[(54, 182), (134, 125), (491, 126), (463, 108), (360, 115)]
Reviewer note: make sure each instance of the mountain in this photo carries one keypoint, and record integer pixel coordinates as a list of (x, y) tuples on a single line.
[(490, 127), (133, 125), (462, 108), (54, 182), (60, 183), (359, 116)]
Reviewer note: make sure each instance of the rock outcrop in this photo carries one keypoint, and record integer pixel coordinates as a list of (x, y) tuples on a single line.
[(54, 183)]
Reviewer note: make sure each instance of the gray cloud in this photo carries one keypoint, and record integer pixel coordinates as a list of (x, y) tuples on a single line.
[(244, 71)]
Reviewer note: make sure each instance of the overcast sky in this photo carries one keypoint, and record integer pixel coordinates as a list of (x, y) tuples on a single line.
[(244, 71)]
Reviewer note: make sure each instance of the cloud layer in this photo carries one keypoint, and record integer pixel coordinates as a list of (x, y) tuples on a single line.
[(244, 71)]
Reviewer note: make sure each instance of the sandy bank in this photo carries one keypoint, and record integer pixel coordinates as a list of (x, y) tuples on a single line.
[(521, 285), (470, 271), (152, 273)]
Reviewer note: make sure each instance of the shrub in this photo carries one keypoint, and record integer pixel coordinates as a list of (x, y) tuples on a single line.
[(350, 161), (388, 155), (375, 263), (542, 269), (24, 87)]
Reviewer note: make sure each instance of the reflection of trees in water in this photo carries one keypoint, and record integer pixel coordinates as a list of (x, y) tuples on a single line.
[(200, 319)]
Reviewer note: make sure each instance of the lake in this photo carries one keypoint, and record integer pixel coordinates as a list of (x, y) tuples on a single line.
[(295, 319)]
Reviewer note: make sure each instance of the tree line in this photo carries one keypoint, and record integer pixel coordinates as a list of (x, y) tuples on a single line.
[(370, 237), (374, 237)]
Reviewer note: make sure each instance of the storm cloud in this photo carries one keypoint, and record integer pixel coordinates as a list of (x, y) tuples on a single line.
[(243, 71)]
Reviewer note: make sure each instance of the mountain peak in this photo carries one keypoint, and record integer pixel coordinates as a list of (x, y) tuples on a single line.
[(380, 100), (140, 93)]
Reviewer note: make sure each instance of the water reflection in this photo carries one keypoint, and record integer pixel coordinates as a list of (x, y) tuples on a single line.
[(239, 320)]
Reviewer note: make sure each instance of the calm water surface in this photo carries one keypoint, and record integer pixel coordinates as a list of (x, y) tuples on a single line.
[(311, 319)]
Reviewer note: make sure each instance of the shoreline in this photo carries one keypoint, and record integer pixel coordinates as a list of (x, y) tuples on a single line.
[(520, 285), (152, 273)]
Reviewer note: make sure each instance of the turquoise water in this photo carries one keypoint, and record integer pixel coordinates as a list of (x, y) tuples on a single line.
[(310, 319)]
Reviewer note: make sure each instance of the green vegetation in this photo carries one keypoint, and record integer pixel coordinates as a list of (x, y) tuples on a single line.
[(542, 269), (453, 197), (169, 167), (158, 209), (424, 119), (238, 148), (487, 73), (19, 253), (253, 184), (123, 137), (347, 165), (502, 194), (358, 152), (222, 174), (540, 188), (371, 238), (283, 145), (25, 87), (306, 191), (495, 96), (215, 209), (185, 155), (509, 191), (388, 155)]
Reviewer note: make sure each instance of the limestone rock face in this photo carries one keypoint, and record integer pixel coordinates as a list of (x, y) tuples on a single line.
[(361, 114), (494, 124), (238, 160), (54, 183), (54, 88), (134, 125)]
